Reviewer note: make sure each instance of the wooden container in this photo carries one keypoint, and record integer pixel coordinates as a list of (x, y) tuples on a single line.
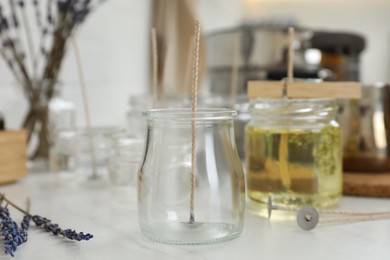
[(13, 157)]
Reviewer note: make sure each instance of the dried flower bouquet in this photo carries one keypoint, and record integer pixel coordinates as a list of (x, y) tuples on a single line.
[(34, 49)]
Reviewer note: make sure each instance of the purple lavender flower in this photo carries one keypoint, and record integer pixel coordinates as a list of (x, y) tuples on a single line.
[(15, 20), (24, 227), (21, 3), (63, 5), (79, 15), (4, 23), (10, 232), (56, 230), (73, 235), (37, 13)]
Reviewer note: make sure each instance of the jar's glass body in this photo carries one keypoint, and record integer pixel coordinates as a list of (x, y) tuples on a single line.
[(125, 156), (240, 104), (294, 152), (165, 178), (62, 121)]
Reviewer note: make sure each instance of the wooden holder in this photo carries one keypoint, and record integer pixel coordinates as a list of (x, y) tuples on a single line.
[(13, 156), (304, 89)]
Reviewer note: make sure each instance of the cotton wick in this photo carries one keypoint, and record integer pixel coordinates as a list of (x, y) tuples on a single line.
[(290, 60), (194, 95), (308, 217), (234, 74), (86, 108), (154, 66)]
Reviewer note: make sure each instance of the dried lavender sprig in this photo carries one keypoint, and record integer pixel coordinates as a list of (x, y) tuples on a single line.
[(56, 230), (48, 225), (11, 47), (24, 226), (10, 232), (4, 25), (49, 14), (38, 15), (46, 60), (30, 42), (20, 48), (21, 3), (47, 27), (14, 16), (10, 65)]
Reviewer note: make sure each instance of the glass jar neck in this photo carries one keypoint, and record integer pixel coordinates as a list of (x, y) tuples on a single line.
[(287, 112), (184, 116)]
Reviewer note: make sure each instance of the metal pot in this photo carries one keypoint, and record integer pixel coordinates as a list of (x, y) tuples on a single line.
[(366, 130), (263, 55)]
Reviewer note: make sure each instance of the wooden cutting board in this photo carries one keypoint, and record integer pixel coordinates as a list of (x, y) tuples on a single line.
[(367, 184)]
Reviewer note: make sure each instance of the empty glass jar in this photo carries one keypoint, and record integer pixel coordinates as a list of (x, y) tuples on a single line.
[(293, 152), (167, 191), (125, 156)]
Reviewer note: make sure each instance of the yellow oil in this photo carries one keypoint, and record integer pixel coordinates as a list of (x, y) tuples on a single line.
[(294, 167)]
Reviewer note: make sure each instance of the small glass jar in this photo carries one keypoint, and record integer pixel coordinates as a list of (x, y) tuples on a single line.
[(61, 124), (293, 152), (167, 191), (125, 156), (62, 114), (75, 146)]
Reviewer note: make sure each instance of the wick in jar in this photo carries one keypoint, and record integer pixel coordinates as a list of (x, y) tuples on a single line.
[(94, 175), (153, 35), (194, 96), (283, 160), (283, 145)]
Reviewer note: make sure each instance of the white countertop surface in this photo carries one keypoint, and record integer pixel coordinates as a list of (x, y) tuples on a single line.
[(117, 236)]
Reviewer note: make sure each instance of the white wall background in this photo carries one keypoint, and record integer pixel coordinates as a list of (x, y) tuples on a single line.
[(114, 50), (114, 45)]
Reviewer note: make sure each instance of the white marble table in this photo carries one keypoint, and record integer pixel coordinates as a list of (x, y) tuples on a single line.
[(117, 235)]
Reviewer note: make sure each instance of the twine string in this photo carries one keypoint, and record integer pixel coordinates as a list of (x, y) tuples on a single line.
[(86, 109), (356, 217), (194, 95), (290, 60), (346, 216), (154, 66), (234, 73)]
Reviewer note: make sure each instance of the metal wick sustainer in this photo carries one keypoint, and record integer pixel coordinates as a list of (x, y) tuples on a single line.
[(307, 216)]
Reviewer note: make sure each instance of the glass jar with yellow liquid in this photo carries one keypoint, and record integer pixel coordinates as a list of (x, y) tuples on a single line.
[(293, 152)]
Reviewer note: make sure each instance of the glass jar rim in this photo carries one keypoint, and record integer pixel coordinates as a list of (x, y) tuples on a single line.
[(293, 100), (304, 109), (186, 114), (291, 103)]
